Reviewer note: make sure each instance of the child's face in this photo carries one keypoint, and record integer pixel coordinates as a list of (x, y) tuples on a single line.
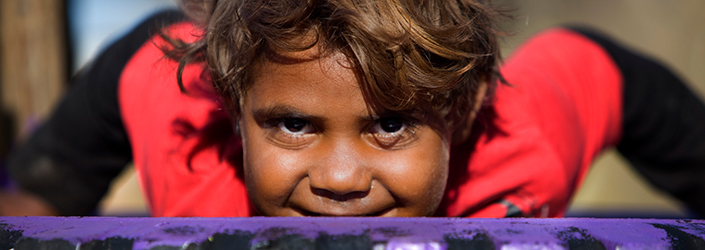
[(312, 146)]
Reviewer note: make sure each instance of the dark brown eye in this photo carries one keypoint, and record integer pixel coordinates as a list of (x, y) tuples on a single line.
[(389, 125), (295, 126)]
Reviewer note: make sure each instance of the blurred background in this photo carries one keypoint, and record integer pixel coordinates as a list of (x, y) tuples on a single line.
[(44, 42)]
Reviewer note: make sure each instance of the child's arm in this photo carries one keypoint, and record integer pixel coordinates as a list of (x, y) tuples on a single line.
[(663, 125), (71, 160), (20, 203), (572, 94)]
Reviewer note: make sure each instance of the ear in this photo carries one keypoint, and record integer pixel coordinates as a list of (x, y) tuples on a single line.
[(462, 131)]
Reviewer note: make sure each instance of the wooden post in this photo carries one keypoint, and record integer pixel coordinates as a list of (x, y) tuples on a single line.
[(32, 60)]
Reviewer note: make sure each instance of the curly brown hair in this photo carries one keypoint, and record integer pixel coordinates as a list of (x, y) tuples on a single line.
[(411, 55)]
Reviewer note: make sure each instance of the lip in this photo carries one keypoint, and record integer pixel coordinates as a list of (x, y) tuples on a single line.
[(377, 202), (385, 212)]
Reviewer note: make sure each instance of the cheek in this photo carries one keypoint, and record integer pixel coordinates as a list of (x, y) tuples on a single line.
[(270, 174), (418, 175)]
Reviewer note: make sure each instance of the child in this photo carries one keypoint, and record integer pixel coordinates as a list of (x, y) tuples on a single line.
[(343, 108)]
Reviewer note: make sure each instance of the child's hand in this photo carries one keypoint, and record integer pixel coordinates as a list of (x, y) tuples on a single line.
[(20, 203)]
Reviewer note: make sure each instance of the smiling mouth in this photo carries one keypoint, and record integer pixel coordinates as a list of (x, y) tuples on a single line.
[(308, 213)]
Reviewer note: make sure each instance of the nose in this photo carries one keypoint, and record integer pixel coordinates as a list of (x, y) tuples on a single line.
[(340, 173)]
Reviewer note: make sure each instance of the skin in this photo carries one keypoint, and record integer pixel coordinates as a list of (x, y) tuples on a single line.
[(21, 203), (312, 147)]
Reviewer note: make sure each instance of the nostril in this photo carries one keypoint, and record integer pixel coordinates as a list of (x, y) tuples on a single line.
[(340, 197), (340, 182)]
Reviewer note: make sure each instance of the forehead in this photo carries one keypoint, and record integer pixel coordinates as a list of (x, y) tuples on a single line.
[(307, 81)]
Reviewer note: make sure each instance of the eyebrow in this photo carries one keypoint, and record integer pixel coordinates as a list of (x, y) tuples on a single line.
[(279, 111)]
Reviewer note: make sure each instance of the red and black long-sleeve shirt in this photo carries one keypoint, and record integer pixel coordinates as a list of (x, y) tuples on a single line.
[(571, 93)]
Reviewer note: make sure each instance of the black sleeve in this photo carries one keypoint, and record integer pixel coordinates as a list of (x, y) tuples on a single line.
[(663, 123), (72, 158)]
